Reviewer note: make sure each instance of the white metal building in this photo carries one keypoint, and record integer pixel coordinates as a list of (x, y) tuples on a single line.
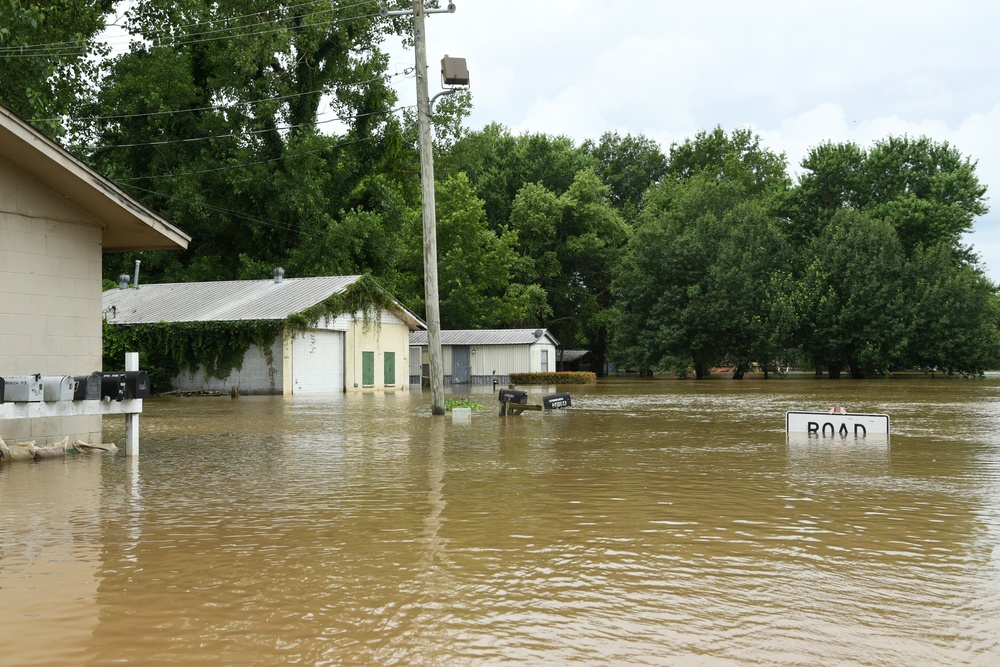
[(482, 356), (338, 354)]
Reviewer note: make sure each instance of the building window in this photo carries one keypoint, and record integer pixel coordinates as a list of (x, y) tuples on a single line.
[(545, 361)]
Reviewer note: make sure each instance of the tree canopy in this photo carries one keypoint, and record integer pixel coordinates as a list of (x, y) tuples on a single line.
[(271, 133)]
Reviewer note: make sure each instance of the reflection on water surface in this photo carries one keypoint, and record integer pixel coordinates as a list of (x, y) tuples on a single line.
[(655, 522)]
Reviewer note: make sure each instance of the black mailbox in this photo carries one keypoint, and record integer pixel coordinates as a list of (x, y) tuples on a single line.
[(113, 386), (88, 387), (513, 396), (136, 384), (1, 391), (556, 401)]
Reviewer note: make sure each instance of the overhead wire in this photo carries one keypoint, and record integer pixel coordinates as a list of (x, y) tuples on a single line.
[(243, 133), (218, 209), (188, 25), (73, 47), (76, 47), (221, 107)]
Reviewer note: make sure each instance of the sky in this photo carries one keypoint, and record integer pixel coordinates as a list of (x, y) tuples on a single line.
[(798, 73)]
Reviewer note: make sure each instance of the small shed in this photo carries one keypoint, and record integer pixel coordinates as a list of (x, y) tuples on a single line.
[(57, 219), (350, 351), (481, 356), (574, 360)]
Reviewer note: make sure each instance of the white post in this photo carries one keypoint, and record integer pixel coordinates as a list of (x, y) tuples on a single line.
[(132, 418)]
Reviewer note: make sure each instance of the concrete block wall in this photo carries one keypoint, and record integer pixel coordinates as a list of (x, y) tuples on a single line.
[(50, 297), (256, 376)]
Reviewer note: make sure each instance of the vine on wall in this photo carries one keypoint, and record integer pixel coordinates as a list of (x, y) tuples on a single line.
[(168, 348)]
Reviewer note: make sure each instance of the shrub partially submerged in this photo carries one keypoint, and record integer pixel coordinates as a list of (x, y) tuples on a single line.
[(563, 377)]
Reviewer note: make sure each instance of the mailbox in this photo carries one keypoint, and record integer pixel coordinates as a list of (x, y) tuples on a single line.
[(88, 387), (25, 388), (556, 401), (1, 391), (513, 396), (113, 386), (58, 387), (136, 384)]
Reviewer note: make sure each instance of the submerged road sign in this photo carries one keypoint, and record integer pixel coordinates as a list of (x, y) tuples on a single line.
[(824, 425)]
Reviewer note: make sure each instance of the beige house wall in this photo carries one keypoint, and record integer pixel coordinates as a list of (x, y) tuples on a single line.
[(391, 335), (50, 297)]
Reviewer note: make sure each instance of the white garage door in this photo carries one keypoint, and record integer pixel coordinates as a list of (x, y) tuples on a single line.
[(317, 362)]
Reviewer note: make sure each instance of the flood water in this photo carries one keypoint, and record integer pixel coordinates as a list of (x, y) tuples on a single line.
[(653, 523)]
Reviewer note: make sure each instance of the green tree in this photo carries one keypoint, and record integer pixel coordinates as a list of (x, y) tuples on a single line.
[(218, 118), (571, 243), (48, 56), (926, 190), (499, 164), (477, 269), (751, 286), (738, 157), (668, 320), (854, 312), (956, 315), (629, 166)]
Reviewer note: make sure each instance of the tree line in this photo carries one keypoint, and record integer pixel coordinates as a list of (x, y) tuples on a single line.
[(271, 133)]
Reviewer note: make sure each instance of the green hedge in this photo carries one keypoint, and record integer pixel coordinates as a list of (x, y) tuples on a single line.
[(564, 377)]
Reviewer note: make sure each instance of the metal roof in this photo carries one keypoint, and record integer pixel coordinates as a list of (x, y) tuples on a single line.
[(486, 337), (226, 301)]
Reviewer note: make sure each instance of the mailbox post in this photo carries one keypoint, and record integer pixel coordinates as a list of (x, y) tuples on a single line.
[(132, 418)]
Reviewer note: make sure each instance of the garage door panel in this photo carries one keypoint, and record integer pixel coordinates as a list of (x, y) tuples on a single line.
[(318, 362)]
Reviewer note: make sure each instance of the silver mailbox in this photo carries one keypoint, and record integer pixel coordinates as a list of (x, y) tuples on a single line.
[(23, 388), (58, 387)]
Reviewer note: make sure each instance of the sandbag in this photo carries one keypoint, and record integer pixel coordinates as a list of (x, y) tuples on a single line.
[(108, 447), (57, 450), (21, 451), (49, 452)]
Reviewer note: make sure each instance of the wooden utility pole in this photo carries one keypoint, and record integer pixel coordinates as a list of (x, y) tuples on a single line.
[(432, 305)]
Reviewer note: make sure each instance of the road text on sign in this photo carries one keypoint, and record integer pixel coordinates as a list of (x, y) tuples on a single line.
[(823, 425)]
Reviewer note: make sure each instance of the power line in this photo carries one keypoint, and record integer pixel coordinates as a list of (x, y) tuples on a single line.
[(236, 214), (262, 100), (241, 165), (188, 25), (241, 133), (78, 47)]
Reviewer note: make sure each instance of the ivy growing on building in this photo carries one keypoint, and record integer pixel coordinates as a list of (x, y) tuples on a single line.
[(168, 348)]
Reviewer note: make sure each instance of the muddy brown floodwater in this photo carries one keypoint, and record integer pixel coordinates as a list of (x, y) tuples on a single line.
[(652, 523)]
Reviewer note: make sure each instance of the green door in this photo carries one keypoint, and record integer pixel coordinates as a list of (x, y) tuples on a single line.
[(390, 369), (367, 369)]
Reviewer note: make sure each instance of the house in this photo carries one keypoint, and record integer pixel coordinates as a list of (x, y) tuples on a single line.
[(57, 219), (336, 353), (574, 360), (480, 357)]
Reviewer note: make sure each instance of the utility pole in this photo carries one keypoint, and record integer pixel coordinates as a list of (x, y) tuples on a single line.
[(432, 304), (431, 301)]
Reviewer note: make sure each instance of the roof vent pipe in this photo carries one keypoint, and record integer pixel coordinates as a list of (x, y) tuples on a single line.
[(135, 282), (279, 274)]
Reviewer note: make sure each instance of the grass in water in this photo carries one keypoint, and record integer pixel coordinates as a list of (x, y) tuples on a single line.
[(451, 403)]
